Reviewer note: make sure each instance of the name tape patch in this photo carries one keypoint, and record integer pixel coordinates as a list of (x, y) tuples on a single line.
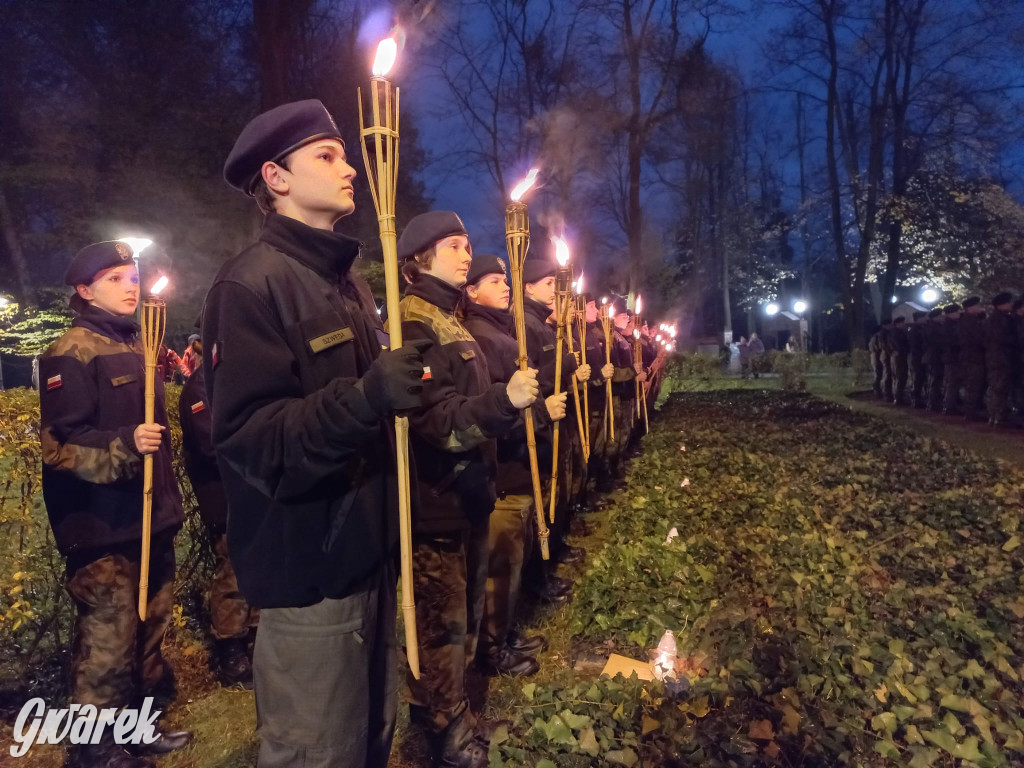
[(332, 339)]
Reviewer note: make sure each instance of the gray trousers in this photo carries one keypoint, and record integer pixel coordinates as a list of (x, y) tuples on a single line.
[(326, 680)]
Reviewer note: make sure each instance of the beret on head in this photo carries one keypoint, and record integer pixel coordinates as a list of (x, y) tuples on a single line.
[(899, 321), (269, 137), (537, 268), (193, 337), (949, 309), (937, 312), (426, 229), (972, 301), (95, 258), (483, 265), (1002, 298), (919, 315)]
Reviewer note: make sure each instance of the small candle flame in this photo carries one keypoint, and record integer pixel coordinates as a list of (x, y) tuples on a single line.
[(611, 311), (639, 303), (159, 285), (604, 300), (387, 52), (561, 251), (523, 186)]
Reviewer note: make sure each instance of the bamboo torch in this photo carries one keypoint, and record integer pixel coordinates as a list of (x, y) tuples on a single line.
[(517, 240), (581, 321), (606, 323), (561, 306), (641, 392), (569, 301), (154, 323), (382, 175)]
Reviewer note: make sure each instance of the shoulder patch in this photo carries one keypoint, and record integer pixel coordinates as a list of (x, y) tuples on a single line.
[(445, 326), (198, 407), (427, 375), (469, 354), (54, 382)]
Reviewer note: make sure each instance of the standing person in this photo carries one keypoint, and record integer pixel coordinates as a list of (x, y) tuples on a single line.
[(932, 358), (744, 349), (886, 344), (598, 393), (92, 407), (513, 521), (918, 368), (756, 350), (1000, 355), (452, 443), (623, 379), (971, 330), (875, 350), (1018, 361), (900, 360), (232, 619), (951, 361), (303, 400), (193, 355)]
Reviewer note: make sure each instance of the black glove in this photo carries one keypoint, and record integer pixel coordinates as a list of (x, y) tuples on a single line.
[(395, 380)]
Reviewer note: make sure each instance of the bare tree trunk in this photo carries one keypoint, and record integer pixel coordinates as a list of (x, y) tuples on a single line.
[(634, 211), (275, 22), (26, 294)]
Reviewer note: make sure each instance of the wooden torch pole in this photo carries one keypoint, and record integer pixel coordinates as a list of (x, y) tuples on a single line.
[(517, 240), (382, 175), (609, 407), (561, 301), (154, 320), (581, 314)]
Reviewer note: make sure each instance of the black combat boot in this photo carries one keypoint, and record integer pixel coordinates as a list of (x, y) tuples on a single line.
[(509, 662), (233, 666), (532, 645), (106, 754)]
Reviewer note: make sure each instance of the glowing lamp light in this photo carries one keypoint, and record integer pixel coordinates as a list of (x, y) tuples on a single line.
[(4, 301), (929, 295), (387, 52), (799, 306), (604, 300), (523, 186), (159, 285), (893, 300), (772, 309)]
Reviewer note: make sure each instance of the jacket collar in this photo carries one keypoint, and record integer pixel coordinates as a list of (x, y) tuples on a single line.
[(117, 327), (329, 254), (541, 311), (500, 318), (437, 292)]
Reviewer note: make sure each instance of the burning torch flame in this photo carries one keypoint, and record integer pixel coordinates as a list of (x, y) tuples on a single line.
[(639, 303), (561, 251), (579, 284), (636, 334), (523, 186), (604, 300), (159, 285), (611, 311), (387, 52)]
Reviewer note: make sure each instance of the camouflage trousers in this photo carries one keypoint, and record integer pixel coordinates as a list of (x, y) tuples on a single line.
[(625, 423), (888, 375), (510, 542), (231, 615), (974, 388), (999, 387), (951, 386), (598, 441), (936, 374), (920, 374), (879, 369), (114, 655), (900, 372), (450, 578)]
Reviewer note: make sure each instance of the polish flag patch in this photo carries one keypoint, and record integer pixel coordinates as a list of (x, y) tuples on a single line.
[(427, 375), (54, 382), (197, 407)]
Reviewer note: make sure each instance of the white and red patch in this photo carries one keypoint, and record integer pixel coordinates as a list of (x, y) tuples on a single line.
[(198, 407), (54, 382), (427, 375)]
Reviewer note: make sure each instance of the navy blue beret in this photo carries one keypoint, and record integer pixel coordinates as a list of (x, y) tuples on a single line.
[(95, 258), (537, 268), (269, 137), (972, 301), (949, 309), (484, 265), (919, 315), (1002, 298), (937, 312), (426, 229)]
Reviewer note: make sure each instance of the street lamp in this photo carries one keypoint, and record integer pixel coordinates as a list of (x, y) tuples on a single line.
[(799, 306), (771, 309), (929, 296)]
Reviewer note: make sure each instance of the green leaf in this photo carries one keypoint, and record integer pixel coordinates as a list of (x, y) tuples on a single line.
[(588, 742), (942, 739), (576, 722), (528, 690), (1011, 544), (546, 764), (886, 721), (626, 757)]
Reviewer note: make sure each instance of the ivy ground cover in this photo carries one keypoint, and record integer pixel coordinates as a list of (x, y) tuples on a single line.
[(844, 593)]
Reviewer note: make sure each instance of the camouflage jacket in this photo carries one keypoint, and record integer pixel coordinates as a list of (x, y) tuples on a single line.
[(92, 397), (452, 436)]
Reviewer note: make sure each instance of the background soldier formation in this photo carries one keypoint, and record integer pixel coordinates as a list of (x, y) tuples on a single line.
[(288, 442), (960, 360)]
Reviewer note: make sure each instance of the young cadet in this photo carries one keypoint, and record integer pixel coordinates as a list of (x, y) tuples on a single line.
[(92, 401), (596, 357), (625, 376), (541, 342), (512, 526), (303, 398), (232, 619), (452, 442)]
